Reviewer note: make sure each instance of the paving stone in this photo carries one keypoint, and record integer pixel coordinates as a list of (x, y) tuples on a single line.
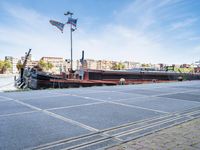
[(184, 147), (182, 137), (196, 145)]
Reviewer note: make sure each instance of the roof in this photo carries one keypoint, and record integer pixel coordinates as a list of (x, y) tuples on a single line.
[(52, 58)]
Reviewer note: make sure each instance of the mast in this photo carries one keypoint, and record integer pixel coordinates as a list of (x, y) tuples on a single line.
[(71, 30), (24, 64), (60, 26), (21, 83), (71, 45)]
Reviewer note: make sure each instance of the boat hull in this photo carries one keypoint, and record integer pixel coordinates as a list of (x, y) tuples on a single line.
[(99, 78)]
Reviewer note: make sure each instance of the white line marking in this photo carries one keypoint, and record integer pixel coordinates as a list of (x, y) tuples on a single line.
[(71, 147), (62, 142), (70, 120), (100, 100), (143, 128), (137, 122), (183, 100), (20, 113), (5, 100), (168, 93), (8, 98), (58, 116), (146, 126), (74, 106), (86, 92), (113, 137), (22, 103), (157, 95), (28, 105), (84, 146), (41, 97), (133, 106)]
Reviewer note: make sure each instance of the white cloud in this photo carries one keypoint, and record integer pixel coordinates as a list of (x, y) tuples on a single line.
[(194, 38), (32, 30), (183, 24), (137, 41), (121, 43), (113, 42), (196, 50)]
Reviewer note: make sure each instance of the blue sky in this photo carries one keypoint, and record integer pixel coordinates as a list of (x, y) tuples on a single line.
[(149, 31)]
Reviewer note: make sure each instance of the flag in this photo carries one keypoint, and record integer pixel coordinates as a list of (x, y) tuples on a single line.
[(59, 25), (72, 21)]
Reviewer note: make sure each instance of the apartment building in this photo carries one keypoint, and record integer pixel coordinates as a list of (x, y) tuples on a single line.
[(14, 62), (130, 64), (105, 64), (59, 65)]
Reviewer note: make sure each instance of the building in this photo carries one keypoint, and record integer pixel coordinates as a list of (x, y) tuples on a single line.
[(28, 59), (67, 65), (130, 64), (90, 64), (185, 66), (14, 62), (32, 63), (105, 64), (197, 69), (59, 65)]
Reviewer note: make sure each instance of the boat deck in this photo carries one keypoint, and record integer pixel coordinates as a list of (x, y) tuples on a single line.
[(93, 117)]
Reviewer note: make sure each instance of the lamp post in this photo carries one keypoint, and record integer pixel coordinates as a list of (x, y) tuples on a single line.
[(66, 14)]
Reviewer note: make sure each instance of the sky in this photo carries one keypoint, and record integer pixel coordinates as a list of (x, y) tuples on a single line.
[(146, 31)]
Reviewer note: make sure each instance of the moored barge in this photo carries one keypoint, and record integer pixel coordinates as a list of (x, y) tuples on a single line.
[(41, 80)]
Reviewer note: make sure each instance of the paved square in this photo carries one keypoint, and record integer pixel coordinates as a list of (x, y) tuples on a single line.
[(28, 94), (106, 115), (58, 101), (166, 90), (9, 107), (110, 96), (2, 98), (183, 96), (73, 91), (30, 130), (162, 104), (143, 92), (193, 92), (74, 116)]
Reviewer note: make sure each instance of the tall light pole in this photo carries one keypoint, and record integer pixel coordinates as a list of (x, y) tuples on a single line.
[(66, 14)]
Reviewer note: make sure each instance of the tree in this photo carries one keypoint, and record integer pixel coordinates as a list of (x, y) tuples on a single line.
[(5, 65), (145, 65), (19, 66), (49, 66), (118, 66), (45, 65), (42, 64), (1, 64)]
